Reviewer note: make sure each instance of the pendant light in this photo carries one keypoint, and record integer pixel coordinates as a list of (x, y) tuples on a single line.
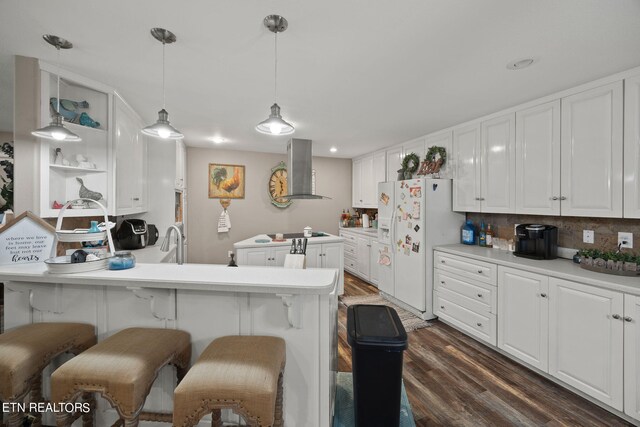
[(56, 130), (162, 129), (275, 125)]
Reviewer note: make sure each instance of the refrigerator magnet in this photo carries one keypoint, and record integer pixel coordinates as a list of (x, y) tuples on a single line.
[(416, 228), (415, 192), (384, 198), (409, 225), (415, 247), (407, 239), (407, 250), (402, 196), (416, 210)]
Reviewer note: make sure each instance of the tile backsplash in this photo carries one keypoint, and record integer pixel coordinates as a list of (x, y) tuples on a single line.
[(569, 229)]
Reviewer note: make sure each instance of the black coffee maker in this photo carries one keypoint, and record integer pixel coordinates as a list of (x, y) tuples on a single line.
[(536, 241)]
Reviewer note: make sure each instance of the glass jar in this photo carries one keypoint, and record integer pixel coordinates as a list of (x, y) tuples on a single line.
[(122, 260)]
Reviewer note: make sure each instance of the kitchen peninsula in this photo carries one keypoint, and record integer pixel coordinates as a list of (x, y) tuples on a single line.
[(208, 301)]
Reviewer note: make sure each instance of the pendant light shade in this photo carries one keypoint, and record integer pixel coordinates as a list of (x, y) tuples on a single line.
[(56, 130), (162, 128), (275, 124)]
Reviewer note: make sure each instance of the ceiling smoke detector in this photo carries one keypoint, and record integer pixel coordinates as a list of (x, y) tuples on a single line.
[(520, 64)]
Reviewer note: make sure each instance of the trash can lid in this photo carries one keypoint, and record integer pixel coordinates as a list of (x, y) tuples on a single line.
[(376, 326)]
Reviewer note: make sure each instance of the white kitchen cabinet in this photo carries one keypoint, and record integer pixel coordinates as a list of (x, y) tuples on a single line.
[(394, 162), (364, 257), (498, 165), (267, 256), (442, 139), (632, 356), (131, 160), (416, 146), (356, 183), (181, 165), (591, 152), (538, 160), (632, 147), (368, 186), (379, 173), (466, 182), (586, 339), (373, 262), (367, 171), (523, 316)]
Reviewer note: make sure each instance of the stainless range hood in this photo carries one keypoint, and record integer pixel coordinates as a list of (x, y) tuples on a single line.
[(299, 170)]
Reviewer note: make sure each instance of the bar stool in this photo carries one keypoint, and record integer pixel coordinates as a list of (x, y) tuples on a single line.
[(122, 369), (242, 373), (25, 351)]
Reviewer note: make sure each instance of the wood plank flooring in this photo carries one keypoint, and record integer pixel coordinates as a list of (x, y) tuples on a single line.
[(452, 380)]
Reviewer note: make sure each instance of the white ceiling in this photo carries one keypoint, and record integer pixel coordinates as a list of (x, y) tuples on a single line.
[(358, 75)]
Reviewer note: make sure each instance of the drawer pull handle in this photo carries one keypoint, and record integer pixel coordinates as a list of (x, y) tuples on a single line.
[(442, 307), (563, 198), (628, 319), (479, 324), (479, 271), (442, 281), (442, 261), (479, 295), (616, 316), (554, 198), (543, 295)]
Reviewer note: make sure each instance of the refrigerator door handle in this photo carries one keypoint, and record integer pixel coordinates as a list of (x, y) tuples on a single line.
[(392, 229)]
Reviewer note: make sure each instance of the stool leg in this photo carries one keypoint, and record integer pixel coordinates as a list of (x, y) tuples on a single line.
[(278, 421), (132, 422), (87, 417), (15, 419), (63, 419), (36, 396), (216, 418)]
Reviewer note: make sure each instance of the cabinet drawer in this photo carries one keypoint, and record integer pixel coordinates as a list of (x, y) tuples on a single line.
[(349, 237), (350, 265), (481, 326), (351, 250), (481, 293), (466, 267)]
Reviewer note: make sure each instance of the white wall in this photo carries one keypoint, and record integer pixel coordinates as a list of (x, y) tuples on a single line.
[(255, 214)]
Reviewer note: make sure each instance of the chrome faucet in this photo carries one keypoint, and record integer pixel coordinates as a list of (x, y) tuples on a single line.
[(179, 243)]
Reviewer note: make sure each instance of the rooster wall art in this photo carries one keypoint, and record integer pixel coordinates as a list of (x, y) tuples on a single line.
[(226, 181)]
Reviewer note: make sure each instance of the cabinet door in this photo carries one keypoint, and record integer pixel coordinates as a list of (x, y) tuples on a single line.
[(140, 199), (523, 316), (632, 356), (180, 164), (368, 186), (314, 260), (585, 340), (632, 147), (591, 153), (379, 173), (373, 262), (538, 160), (277, 255), (394, 162), (364, 253), (442, 139), (125, 143), (416, 146), (356, 183), (466, 180), (333, 257), (498, 166), (254, 256)]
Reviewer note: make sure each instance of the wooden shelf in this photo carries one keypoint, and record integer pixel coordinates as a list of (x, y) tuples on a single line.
[(76, 127), (72, 169)]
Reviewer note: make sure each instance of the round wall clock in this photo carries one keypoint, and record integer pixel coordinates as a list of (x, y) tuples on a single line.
[(278, 186)]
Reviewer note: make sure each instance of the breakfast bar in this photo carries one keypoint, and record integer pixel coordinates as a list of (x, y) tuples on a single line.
[(207, 301)]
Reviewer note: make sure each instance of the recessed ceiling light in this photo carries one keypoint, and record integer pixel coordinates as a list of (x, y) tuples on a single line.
[(520, 64), (333, 149), (217, 139)]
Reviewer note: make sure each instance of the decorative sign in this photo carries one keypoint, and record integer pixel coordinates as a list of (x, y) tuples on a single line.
[(26, 239)]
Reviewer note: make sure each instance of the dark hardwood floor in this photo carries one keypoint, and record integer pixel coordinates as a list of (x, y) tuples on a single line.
[(453, 380)]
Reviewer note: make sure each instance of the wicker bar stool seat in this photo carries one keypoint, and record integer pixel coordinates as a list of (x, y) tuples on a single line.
[(122, 369), (242, 373), (25, 351)]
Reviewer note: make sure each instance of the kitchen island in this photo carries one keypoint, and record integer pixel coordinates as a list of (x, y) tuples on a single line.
[(324, 251), (208, 301)]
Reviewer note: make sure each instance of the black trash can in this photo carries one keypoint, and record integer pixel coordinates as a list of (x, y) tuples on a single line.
[(377, 340)]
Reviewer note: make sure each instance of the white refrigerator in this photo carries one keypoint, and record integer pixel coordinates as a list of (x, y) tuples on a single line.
[(413, 216)]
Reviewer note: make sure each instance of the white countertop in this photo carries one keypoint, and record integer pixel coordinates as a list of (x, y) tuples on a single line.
[(560, 268), (153, 254), (369, 232), (189, 277), (251, 242)]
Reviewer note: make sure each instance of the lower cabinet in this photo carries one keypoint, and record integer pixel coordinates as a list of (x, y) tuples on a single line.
[(632, 356), (523, 316), (586, 339), (268, 256), (364, 256), (361, 255), (373, 262)]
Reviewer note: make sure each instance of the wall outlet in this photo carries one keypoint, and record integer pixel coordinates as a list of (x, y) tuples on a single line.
[(588, 236), (229, 253), (625, 240)]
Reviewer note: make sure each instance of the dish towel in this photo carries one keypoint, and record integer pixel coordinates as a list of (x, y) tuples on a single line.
[(224, 222)]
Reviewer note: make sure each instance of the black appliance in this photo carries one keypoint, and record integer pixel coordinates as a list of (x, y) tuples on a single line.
[(132, 234), (536, 241), (152, 234)]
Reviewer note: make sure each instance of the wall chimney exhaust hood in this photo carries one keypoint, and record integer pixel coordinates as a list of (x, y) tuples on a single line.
[(299, 170)]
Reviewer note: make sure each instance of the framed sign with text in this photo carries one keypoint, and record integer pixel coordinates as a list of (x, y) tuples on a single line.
[(25, 239)]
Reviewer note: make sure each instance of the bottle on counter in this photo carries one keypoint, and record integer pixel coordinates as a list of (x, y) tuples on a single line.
[(468, 233), (489, 236), (482, 235)]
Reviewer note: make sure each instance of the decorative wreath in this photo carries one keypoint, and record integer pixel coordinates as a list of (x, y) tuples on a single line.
[(431, 154), (410, 163)]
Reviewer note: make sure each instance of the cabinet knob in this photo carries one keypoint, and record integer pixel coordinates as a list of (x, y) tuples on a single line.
[(479, 271), (628, 319), (616, 316), (554, 198), (563, 198), (136, 198), (479, 295), (442, 261), (442, 307), (477, 198), (543, 295), (479, 324), (442, 281)]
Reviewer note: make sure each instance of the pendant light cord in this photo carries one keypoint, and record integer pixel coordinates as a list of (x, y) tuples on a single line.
[(163, 92), (275, 95), (58, 66)]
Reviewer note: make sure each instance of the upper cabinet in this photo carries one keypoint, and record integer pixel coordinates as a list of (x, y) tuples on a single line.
[(442, 139), (131, 160), (498, 166), (466, 154), (367, 172), (591, 153), (416, 146), (538, 160), (394, 162), (632, 147), (181, 165)]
